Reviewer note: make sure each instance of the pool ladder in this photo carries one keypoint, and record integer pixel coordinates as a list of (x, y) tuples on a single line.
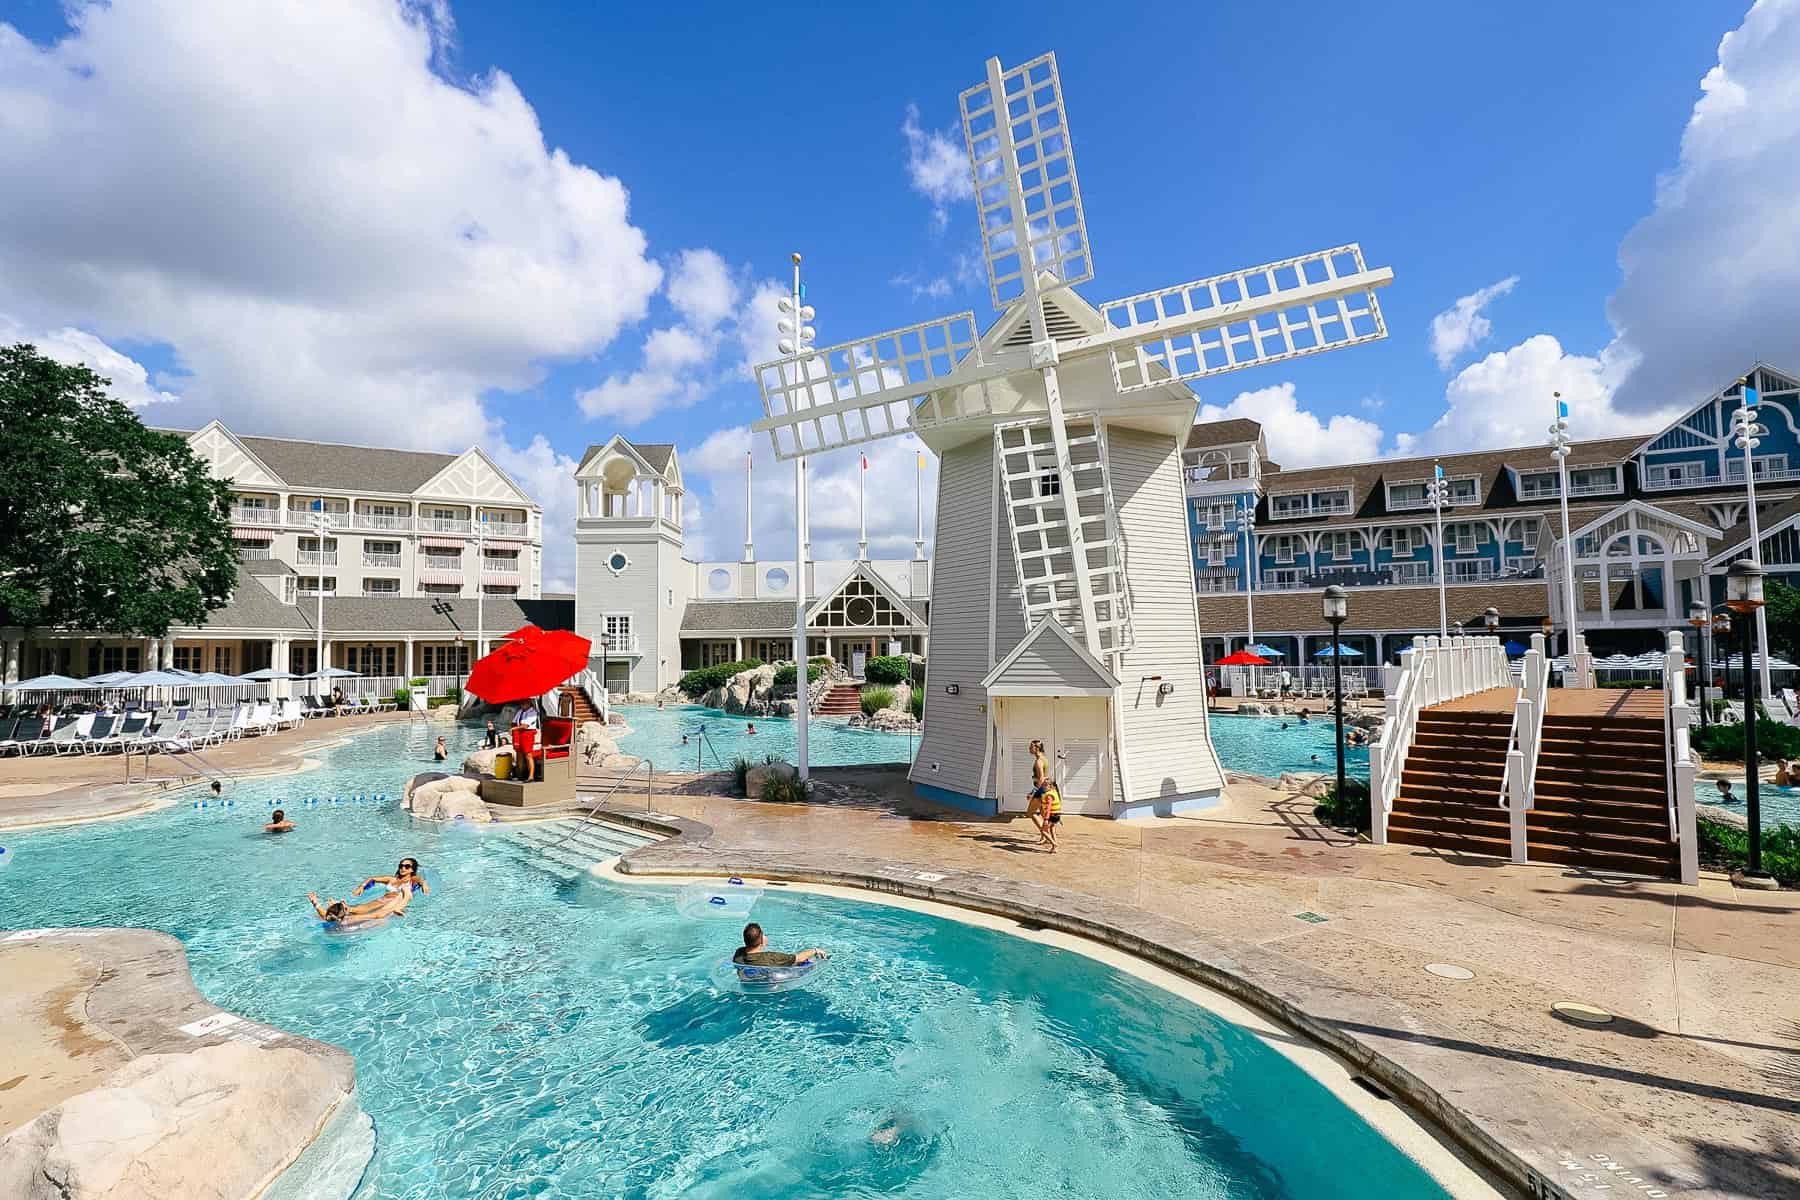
[(644, 765), (702, 744)]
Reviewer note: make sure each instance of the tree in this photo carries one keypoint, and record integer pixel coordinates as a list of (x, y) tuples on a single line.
[(1783, 603), (104, 524)]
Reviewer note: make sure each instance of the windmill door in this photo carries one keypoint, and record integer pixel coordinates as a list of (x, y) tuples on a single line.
[(1074, 733)]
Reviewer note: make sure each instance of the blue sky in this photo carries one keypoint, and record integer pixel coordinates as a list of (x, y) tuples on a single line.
[(356, 223)]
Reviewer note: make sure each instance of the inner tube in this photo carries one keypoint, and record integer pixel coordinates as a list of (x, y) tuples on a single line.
[(731, 900), (760, 981)]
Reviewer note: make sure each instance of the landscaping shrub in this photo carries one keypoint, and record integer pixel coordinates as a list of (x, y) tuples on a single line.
[(785, 674), (740, 771), (918, 704), (402, 698), (1726, 742), (786, 789), (1351, 811), (1723, 845), (874, 699), (819, 660), (704, 679), (421, 681), (1630, 683), (888, 668)]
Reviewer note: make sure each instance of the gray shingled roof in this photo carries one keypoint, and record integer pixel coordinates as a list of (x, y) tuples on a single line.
[(264, 567), (1223, 433), (1737, 538), (253, 606), (414, 614), (345, 468), (656, 454), (738, 616)]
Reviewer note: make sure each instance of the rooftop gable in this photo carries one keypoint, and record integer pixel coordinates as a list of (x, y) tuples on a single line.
[(1049, 661)]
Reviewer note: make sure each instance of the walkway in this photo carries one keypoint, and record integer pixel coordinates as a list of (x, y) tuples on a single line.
[(1636, 704), (1694, 1084)]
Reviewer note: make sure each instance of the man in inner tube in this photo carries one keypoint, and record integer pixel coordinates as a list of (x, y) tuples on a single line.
[(755, 951)]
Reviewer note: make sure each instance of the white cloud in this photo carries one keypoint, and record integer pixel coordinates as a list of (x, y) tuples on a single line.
[(1464, 325), (130, 381), (935, 288), (1711, 278), (1297, 437), (702, 289), (714, 470), (548, 478), (318, 270), (936, 165), (1507, 399)]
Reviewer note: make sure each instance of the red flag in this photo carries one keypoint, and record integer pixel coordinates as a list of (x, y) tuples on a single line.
[(865, 459)]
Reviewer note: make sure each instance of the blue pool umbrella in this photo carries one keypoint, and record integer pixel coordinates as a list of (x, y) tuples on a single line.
[(1262, 651), (1339, 651), (1514, 649)]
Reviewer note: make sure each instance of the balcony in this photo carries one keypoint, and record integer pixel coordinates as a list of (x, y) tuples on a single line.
[(616, 643), (384, 522), (1422, 503), (1734, 477), (255, 516), (253, 553), (444, 525), (1476, 571), (389, 561), (316, 558), (504, 529), (500, 566), (1288, 509), (435, 562), (1216, 582), (306, 518)]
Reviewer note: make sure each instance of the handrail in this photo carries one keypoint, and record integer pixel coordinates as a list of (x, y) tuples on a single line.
[(1518, 783), (644, 765), (1679, 766), (703, 744)]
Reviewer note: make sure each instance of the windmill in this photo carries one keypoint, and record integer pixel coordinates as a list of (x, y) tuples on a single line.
[(1042, 424)]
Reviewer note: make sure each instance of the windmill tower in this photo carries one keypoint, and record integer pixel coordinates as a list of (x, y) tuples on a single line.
[(1062, 602)]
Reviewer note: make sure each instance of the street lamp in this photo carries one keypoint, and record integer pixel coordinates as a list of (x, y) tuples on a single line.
[(1721, 629), (1747, 435), (1437, 492), (1247, 522), (1490, 617), (1337, 608), (1698, 618), (1559, 449), (1744, 596)]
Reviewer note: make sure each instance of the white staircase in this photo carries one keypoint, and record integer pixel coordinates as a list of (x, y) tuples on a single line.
[(568, 848), (1042, 547)]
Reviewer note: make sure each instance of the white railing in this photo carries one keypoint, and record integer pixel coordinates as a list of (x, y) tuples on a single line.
[(1436, 670), (1580, 672), (380, 560), (1468, 571), (433, 563), (589, 683), (1419, 503), (316, 558), (255, 553), (1734, 475), (617, 643), (1228, 582), (442, 525), (1409, 572), (1518, 787), (504, 529), (501, 566), (1678, 760), (256, 516), (306, 518), (383, 521)]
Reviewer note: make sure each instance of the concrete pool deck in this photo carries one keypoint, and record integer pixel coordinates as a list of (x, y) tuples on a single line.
[(1692, 1089)]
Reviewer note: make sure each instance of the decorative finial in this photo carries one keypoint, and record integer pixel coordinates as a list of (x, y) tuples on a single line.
[(796, 258)]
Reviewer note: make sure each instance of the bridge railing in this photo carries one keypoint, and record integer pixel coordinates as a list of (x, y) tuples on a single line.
[(1678, 761), (1518, 787), (1433, 671)]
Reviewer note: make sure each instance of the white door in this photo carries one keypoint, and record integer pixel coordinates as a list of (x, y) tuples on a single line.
[(858, 660), (1023, 720), (1074, 733)]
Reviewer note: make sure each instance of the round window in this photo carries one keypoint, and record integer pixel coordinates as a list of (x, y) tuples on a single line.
[(719, 579), (860, 610), (777, 579), (618, 561)]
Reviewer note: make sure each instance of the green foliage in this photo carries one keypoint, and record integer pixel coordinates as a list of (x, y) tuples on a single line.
[(1728, 846), (819, 660), (705, 679), (104, 523), (786, 789), (1351, 811), (874, 699), (1726, 742), (888, 668), (402, 698), (918, 704), (1632, 684), (1781, 604), (786, 674), (740, 774), (439, 701), (1718, 707), (421, 681)]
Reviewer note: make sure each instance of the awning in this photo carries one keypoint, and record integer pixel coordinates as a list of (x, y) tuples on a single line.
[(261, 533), (494, 543), (503, 578), (441, 540), (455, 577)]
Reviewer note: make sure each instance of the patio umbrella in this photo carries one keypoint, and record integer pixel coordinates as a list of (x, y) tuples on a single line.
[(524, 633), (145, 679), (1514, 649), (329, 673), (1339, 651), (1243, 658), (1266, 651), (48, 683), (528, 667), (110, 679)]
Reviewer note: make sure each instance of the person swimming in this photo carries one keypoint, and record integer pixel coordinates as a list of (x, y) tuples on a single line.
[(278, 823), (755, 951), (339, 913), (440, 751), (750, 729), (405, 879)]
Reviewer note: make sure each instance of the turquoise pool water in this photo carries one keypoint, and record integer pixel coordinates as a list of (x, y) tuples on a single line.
[(1780, 806), (1260, 746), (656, 734), (520, 1036)]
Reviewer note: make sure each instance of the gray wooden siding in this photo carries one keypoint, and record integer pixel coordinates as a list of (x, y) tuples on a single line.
[(1167, 747), (956, 726), (1050, 662), (637, 591)]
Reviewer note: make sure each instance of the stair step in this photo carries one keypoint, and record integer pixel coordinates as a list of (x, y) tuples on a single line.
[(1496, 846), (1601, 809), (1661, 865)]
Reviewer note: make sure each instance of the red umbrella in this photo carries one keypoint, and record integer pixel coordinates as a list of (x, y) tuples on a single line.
[(524, 633), (1243, 658), (528, 666)]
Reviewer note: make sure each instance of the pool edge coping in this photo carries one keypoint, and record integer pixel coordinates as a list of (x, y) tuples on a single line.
[(1474, 1115)]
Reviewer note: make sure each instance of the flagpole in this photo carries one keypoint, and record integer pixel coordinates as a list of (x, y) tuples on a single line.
[(749, 524), (802, 690), (862, 524), (919, 507)]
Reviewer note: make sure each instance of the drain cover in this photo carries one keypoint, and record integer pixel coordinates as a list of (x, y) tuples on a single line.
[(1449, 971), (1311, 918), (1587, 1014)]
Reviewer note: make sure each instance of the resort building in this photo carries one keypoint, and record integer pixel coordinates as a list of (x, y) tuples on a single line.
[(661, 614), (400, 556), (1651, 517)]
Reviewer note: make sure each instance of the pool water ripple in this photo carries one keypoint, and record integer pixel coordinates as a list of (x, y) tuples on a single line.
[(519, 1036)]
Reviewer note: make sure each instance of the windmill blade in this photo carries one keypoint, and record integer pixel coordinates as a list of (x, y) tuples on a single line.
[(1265, 314), (1026, 194), (875, 387)]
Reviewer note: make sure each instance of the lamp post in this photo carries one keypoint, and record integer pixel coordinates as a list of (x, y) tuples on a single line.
[(1247, 522), (1437, 492), (1700, 621), (1747, 435), (797, 341), (1490, 617), (1559, 449), (1744, 596), (1337, 607)]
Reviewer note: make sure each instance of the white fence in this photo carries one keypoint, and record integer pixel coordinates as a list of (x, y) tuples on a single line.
[(1437, 669), (1518, 787), (1679, 766)]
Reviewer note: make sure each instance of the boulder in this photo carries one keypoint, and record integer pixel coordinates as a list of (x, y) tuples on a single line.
[(784, 708), (481, 762), (903, 692), (216, 1121), (417, 781), (756, 776), (594, 744), (1305, 785), (448, 799), (892, 720), (1723, 816)]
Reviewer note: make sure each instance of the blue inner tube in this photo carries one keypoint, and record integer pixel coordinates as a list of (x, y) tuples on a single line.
[(758, 981)]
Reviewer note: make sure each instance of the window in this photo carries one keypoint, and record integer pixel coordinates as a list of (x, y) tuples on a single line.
[(1528, 533), (616, 562), (441, 589), (1216, 551), (717, 580), (222, 659), (445, 660), (189, 658), (1284, 549), (500, 589), (372, 660), (1593, 481), (381, 587), (1400, 542), (1534, 484), (1289, 506), (1220, 514), (288, 585), (618, 631), (310, 585), (776, 579), (1465, 535), (1338, 546), (1049, 484), (251, 550)]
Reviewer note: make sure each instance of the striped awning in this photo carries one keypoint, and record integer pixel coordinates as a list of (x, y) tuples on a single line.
[(455, 577), (503, 578), (259, 533), (442, 540), (504, 544)]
